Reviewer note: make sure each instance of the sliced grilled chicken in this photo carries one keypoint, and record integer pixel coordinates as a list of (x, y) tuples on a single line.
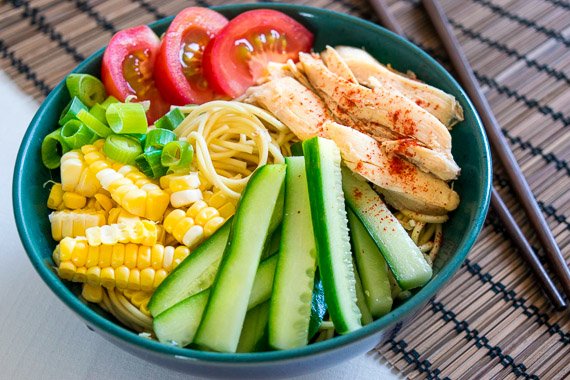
[(380, 107), (335, 63), (402, 183), (300, 109), (425, 159), (440, 104)]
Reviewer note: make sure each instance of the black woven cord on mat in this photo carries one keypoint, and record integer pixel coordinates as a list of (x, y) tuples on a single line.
[(481, 341), (84, 6), (413, 357), (24, 69), (39, 21), (500, 11), (559, 3), (150, 9)]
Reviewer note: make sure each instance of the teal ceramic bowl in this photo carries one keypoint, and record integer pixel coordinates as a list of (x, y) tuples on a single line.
[(470, 149)]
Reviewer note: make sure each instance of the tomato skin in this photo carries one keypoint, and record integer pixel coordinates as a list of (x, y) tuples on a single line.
[(191, 25), (231, 75), (122, 45)]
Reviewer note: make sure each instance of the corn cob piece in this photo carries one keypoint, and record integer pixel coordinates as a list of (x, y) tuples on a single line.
[(142, 232), (124, 266), (76, 176), (74, 223), (55, 199), (130, 188), (225, 205), (184, 189)]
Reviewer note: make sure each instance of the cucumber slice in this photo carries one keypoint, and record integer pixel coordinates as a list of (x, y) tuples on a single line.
[(366, 317), (322, 164), (371, 267), (403, 256), (194, 274), (178, 324), (258, 211), (254, 332), (318, 306), (290, 310)]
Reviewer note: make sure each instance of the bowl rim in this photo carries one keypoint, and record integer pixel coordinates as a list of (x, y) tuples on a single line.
[(132, 338)]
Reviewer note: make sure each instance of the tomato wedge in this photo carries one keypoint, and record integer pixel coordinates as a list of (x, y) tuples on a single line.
[(178, 68), (239, 54), (127, 68)]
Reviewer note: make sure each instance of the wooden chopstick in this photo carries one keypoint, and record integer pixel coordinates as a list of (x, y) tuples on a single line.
[(500, 146), (388, 20)]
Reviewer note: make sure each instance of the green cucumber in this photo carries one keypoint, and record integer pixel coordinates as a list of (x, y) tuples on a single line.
[(322, 164), (194, 274), (366, 317), (178, 324), (318, 306), (259, 210), (272, 245), (372, 268), (297, 148), (290, 310), (410, 268), (253, 336)]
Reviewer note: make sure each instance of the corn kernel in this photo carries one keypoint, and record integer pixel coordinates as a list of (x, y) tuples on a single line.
[(159, 276), (74, 201), (79, 256), (92, 293), (193, 235), (196, 208), (108, 277), (168, 256), (55, 198), (92, 257), (80, 275), (212, 225), (66, 270), (134, 279), (227, 210), (105, 201), (172, 220), (122, 275), (182, 227), (118, 256), (157, 256), (105, 254), (94, 276), (144, 257), (206, 214), (147, 279), (131, 251)]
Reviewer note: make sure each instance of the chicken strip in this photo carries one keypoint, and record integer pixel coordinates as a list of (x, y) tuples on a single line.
[(425, 159), (300, 109), (403, 184), (380, 106), (440, 104)]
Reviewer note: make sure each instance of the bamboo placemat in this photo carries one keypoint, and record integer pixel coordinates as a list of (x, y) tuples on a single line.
[(491, 320)]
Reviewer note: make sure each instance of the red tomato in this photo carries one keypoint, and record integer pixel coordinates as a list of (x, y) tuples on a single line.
[(239, 54), (178, 68), (127, 68)]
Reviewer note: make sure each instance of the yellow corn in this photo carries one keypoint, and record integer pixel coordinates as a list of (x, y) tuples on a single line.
[(131, 266), (92, 293), (142, 232), (73, 200), (76, 176), (55, 199), (104, 201), (225, 205), (139, 299), (74, 223), (184, 189)]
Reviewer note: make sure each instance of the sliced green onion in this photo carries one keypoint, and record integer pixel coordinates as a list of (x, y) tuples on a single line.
[(87, 88), (71, 110), (158, 138), (75, 134), (94, 124), (122, 149), (53, 148), (99, 112), (140, 137), (110, 100), (177, 154), (149, 164), (127, 118), (171, 120)]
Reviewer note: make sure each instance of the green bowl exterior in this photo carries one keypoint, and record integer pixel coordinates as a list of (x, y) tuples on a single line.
[(470, 149)]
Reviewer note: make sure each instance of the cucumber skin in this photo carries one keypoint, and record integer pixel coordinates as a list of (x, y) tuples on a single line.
[(192, 308), (161, 300), (346, 317), (416, 271), (366, 317), (290, 313), (371, 267), (225, 337), (318, 306), (254, 334)]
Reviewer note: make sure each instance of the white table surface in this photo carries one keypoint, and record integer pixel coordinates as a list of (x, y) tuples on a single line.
[(39, 336)]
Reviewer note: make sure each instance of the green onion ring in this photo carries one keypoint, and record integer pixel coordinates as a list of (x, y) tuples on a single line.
[(177, 154), (110, 100), (122, 149), (99, 112), (158, 138), (127, 118), (87, 88), (149, 164), (171, 120), (75, 134), (52, 149), (92, 123), (71, 110)]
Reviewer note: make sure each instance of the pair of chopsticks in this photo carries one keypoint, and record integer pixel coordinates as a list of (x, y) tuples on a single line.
[(502, 152)]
